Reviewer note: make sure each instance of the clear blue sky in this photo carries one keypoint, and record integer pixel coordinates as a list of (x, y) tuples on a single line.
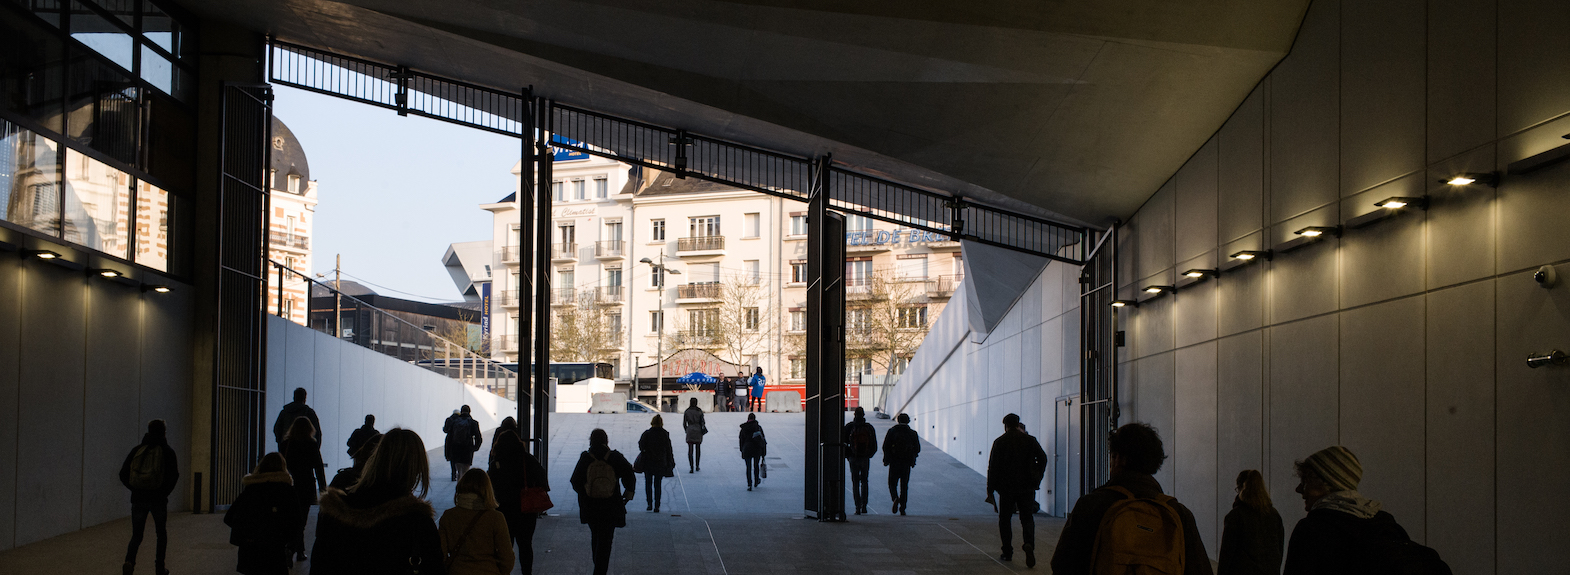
[(395, 191)]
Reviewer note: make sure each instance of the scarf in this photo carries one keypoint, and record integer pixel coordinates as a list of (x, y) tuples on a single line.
[(1349, 502)]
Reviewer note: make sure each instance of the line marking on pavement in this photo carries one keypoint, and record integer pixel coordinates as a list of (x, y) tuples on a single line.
[(967, 542), (706, 525)]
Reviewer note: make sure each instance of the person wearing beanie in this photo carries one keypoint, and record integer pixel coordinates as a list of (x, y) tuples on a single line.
[(1014, 471), (1344, 532), (901, 446)]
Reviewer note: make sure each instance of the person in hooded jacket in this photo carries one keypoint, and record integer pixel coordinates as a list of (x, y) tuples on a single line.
[(474, 534), (603, 515), (1252, 534), (348, 475), (507, 424), (261, 520), (463, 439), (290, 412), (1345, 533), (304, 460), (693, 424), (754, 447), (150, 489), (859, 457), (361, 434), (901, 446), (659, 460), (756, 381), (512, 469), (379, 525)]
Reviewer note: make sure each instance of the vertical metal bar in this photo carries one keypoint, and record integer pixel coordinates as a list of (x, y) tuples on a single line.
[(526, 198), (825, 468), (542, 288)]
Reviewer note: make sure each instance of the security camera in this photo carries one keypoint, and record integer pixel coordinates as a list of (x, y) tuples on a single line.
[(1546, 276)]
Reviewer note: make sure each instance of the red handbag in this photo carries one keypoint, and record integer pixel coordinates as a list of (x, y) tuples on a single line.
[(534, 500)]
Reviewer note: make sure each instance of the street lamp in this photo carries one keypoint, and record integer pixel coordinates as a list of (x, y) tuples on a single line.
[(660, 270)]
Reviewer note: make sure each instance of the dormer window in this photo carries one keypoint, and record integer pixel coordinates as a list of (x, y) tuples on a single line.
[(294, 183)]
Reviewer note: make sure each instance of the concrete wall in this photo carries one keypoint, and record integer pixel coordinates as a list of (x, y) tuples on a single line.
[(344, 382), (84, 364)]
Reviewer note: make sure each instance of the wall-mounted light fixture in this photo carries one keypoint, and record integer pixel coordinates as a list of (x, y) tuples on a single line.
[(1124, 303), (1199, 273), (53, 258), (1490, 179), (1397, 203), (107, 273), (1251, 255), (156, 288), (1319, 231), (1155, 290), (43, 254)]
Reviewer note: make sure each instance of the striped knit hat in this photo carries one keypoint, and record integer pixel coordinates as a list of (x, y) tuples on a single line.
[(1337, 466)]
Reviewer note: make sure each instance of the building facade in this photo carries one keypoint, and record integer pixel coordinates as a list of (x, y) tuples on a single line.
[(293, 211)]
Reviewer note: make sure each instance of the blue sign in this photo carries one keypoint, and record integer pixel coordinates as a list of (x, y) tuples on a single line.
[(485, 317), (892, 237), (565, 155)]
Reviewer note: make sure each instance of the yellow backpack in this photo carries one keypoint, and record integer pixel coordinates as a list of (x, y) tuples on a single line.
[(1139, 536)]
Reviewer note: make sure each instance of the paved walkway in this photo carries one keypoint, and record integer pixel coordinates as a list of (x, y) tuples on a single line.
[(709, 523)]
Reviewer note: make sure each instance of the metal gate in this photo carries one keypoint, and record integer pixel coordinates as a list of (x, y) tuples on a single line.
[(1099, 340), (239, 394)]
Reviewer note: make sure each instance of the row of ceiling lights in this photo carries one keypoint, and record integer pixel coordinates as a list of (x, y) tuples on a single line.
[(1314, 233), (106, 273)]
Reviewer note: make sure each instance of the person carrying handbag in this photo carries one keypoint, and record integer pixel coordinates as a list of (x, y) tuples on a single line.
[(522, 492), (474, 534)]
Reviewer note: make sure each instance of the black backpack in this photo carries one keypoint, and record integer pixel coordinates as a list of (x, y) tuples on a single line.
[(862, 441), (1408, 557), (898, 447)]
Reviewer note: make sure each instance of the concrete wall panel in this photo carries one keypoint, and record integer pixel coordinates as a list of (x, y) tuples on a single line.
[(11, 293), (1195, 314), (1240, 404), (1534, 83), (1303, 282), (1305, 117), (1461, 76), (1382, 394), (1156, 396), (1153, 324), (1460, 418), (1532, 209), (1382, 99), (1240, 152), (1461, 233), (1304, 401), (1383, 261), (1192, 444), (1195, 206), (1240, 296), (168, 374), (113, 360), (1154, 233), (49, 418)]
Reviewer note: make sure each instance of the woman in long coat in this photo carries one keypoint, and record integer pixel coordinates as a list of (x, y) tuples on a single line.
[(262, 519), (304, 458), (512, 469), (694, 427), (659, 460)]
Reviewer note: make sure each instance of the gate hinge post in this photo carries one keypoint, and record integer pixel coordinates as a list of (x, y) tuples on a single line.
[(681, 141), (402, 97)]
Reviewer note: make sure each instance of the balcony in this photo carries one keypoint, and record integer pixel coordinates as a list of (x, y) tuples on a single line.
[(289, 241), (610, 295), (564, 252), (510, 254), (508, 298), (610, 249), (700, 246), (509, 342), (700, 338), (698, 293), (564, 296), (944, 286), (861, 290)]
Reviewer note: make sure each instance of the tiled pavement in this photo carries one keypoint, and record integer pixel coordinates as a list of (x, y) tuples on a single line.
[(709, 523)]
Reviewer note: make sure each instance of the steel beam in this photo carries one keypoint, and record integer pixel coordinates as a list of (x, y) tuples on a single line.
[(542, 287), (525, 328), (825, 465)]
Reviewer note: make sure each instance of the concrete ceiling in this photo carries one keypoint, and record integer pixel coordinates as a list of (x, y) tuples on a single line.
[(1078, 110)]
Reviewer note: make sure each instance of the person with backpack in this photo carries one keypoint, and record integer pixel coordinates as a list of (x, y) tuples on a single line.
[(605, 483), (512, 471), (693, 425), (474, 534), (261, 520), (1128, 525), (150, 471), (1345, 533), (287, 415), (901, 446), (347, 476), (361, 434), (303, 457), (754, 447), (380, 525), (757, 390), (861, 444), (1014, 471), (1251, 535), (658, 460), (463, 439)]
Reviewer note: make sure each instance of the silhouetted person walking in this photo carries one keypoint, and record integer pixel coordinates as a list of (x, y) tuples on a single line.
[(304, 460), (1128, 523), (1252, 534), (474, 534), (1014, 471), (861, 443), (361, 434), (693, 425), (659, 460), (290, 411), (463, 439), (379, 526), (601, 505), (901, 446), (512, 469), (754, 447), (347, 476), (150, 471), (507, 424), (261, 520), (1345, 533)]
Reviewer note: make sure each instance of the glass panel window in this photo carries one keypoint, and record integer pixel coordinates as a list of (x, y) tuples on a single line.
[(656, 321), (97, 205), (165, 76), (858, 273), (294, 183), (163, 30), (752, 272), (558, 191), (658, 230), (613, 277), (751, 225), (798, 368), (751, 318), (913, 317), (29, 179), (913, 268), (858, 223), (798, 320), (615, 322), (105, 110), (798, 225), (798, 272), (155, 210), (703, 227), (564, 278), (577, 189), (602, 188), (102, 36)]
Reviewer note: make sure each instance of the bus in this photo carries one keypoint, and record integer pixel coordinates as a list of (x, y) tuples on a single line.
[(571, 372)]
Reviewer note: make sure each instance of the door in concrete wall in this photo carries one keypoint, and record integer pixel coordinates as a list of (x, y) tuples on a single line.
[(1061, 460)]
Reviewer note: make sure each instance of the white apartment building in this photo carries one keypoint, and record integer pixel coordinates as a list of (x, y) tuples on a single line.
[(294, 199), (607, 217)]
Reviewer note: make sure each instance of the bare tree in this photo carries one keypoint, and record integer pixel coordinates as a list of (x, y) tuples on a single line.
[(886, 318), (746, 320), (584, 331)]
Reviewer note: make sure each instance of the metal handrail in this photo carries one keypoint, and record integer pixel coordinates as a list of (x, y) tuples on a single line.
[(698, 291), (700, 243), (564, 251), (609, 248)]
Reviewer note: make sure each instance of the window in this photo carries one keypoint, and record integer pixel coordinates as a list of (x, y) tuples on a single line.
[(654, 279), (751, 226), (289, 224), (704, 273), (798, 320), (858, 223), (798, 224), (272, 179), (913, 317), (858, 272), (703, 227), (913, 267), (657, 230), (656, 321), (959, 265), (567, 235), (294, 183), (578, 189), (858, 320), (614, 319), (288, 262), (750, 319), (752, 272), (613, 231), (558, 192), (798, 368), (704, 321), (798, 271), (613, 277), (857, 366), (564, 278), (602, 188)]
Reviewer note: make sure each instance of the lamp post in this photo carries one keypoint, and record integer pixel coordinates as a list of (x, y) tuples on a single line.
[(660, 270)]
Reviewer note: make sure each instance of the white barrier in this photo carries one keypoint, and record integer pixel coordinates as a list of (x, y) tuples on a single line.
[(610, 403), (705, 400), (782, 402)]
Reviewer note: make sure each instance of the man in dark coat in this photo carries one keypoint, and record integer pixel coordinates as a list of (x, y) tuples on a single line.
[(463, 439), (361, 434), (900, 448), (1014, 471), (286, 416), (754, 446), (1136, 454), (861, 443), (150, 471), (603, 515)]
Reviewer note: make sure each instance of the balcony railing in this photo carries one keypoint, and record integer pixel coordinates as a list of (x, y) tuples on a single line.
[(698, 291), (560, 252), (510, 254), (699, 337), (944, 286), (509, 342), (508, 298), (609, 249), (289, 241), (610, 294), (564, 296), (700, 243)]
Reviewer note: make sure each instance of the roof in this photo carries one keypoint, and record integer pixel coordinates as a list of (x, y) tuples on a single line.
[(346, 287), (288, 156)]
